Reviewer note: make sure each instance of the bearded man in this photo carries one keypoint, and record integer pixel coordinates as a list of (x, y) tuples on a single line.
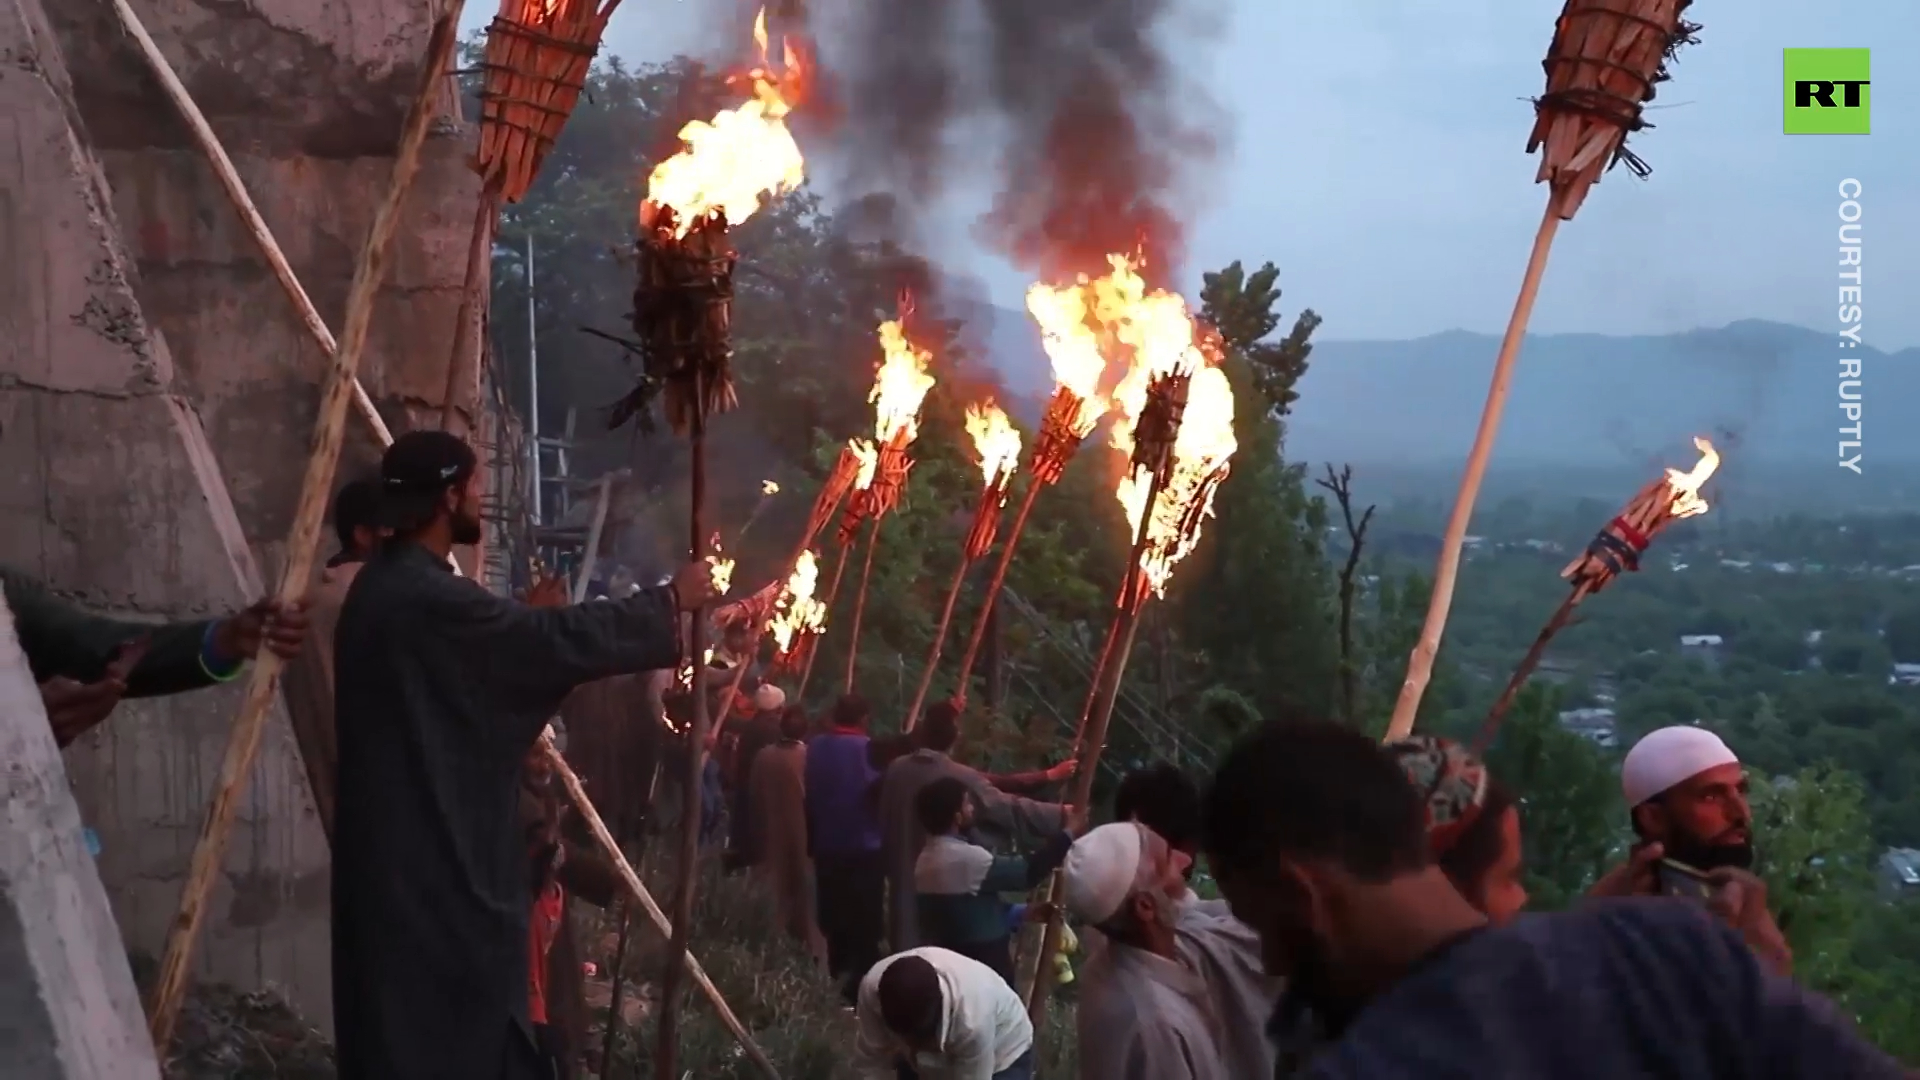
[(442, 688), (1687, 794), (1145, 1012)]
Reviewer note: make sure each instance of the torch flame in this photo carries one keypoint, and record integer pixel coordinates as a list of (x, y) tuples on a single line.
[(797, 612), (901, 385), (745, 155), (1202, 454), (1097, 324), (1686, 485), (721, 570), (868, 457), (996, 440)]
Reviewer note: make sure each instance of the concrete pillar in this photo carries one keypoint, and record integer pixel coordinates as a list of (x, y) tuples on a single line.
[(68, 1008), (157, 393)]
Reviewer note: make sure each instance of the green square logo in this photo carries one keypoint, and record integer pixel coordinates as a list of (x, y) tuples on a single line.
[(1826, 91)]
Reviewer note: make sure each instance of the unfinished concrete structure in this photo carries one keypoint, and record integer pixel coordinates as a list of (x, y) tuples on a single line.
[(157, 393), (67, 1004)]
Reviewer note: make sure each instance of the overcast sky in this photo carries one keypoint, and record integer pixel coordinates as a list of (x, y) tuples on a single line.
[(1377, 155)]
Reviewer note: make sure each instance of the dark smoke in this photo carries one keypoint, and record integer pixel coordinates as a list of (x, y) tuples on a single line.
[(1075, 105)]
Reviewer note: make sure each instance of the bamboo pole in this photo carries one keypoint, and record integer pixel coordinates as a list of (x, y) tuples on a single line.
[(1420, 664), (679, 960), (860, 602), (994, 584), (617, 976), (469, 340), (301, 543), (256, 226), (637, 891), (939, 637)]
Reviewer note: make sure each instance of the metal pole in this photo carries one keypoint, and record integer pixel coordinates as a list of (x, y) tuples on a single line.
[(533, 387)]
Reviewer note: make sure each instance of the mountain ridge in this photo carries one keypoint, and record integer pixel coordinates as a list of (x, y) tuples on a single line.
[(1765, 390)]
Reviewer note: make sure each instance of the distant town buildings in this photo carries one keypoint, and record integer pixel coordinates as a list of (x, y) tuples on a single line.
[(1596, 725), (1900, 872), (1705, 648)]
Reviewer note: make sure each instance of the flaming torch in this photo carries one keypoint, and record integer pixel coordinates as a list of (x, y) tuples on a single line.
[(1181, 445), (538, 53), (682, 310), (1606, 59), (865, 465), (998, 443), (898, 392), (1615, 549), (798, 617), (1072, 331)]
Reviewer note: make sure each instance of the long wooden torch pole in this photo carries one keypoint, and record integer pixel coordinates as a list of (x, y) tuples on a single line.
[(463, 363), (322, 458), (1420, 664), (860, 602), (637, 892), (667, 1046), (994, 584), (1091, 739)]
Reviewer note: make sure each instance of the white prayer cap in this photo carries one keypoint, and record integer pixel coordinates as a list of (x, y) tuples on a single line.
[(1102, 868), (769, 697), (1670, 756)]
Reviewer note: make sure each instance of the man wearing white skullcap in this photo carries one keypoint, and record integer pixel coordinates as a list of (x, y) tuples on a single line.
[(1144, 1012), (1686, 792)]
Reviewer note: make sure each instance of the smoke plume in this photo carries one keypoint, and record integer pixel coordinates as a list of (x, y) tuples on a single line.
[(1073, 106)]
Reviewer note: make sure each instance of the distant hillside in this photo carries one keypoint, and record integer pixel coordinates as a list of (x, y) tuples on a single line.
[(1765, 391)]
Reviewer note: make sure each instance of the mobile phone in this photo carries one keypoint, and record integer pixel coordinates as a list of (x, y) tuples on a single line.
[(1676, 878)]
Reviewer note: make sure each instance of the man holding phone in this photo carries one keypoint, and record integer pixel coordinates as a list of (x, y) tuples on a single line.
[(1687, 796)]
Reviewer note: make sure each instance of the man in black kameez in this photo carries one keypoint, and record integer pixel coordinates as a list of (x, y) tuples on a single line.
[(441, 689)]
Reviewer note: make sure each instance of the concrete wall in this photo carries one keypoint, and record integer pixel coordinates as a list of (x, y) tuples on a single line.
[(157, 393)]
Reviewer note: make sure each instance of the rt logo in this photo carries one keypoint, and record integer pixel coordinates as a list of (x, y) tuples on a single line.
[(1827, 92)]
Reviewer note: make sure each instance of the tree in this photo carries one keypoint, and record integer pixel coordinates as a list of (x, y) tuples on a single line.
[(1571, 817), (1255, 601)]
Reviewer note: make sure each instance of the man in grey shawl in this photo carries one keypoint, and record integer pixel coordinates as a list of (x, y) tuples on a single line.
[(1000, 816), (1145, 1012), (1224, 950)]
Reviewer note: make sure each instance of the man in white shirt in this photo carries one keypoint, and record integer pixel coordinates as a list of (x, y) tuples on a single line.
[(1145, 1011), (930, 1014)]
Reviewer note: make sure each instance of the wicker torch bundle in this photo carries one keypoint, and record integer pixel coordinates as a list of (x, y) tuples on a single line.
[(683, 311), (1063, 428), (538, 53), (1605, 63), (986, 521)]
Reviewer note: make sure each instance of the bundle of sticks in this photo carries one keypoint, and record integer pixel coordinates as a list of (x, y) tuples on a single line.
[(682, 313), (1616, 549)]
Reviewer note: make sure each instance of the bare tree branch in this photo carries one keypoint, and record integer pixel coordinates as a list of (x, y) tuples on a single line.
[(1341, 485)]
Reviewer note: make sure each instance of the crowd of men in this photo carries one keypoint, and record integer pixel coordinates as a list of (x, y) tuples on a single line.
[(1371, 924)]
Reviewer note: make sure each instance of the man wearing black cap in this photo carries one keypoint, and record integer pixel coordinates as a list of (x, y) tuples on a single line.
[(441, 689)]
